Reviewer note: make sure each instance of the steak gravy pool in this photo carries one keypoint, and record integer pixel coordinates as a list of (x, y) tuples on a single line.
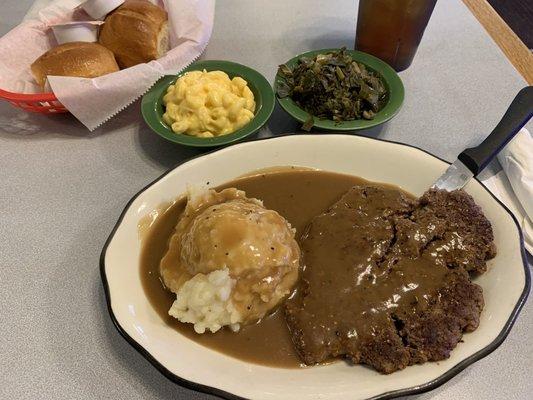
[(303, 196)]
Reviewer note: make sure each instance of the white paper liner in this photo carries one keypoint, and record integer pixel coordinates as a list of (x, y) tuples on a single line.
[(94, 101)]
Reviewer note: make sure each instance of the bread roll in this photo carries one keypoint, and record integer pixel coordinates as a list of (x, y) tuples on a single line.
[(81, 59), (136, 32)]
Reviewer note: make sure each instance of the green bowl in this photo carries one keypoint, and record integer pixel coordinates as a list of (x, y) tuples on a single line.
[(391, 79), (152, 104)]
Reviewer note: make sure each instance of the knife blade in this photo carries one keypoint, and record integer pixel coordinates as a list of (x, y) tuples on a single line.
[(473, 160), (456, 176)]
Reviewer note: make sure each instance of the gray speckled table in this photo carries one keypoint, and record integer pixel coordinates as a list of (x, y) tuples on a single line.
[(62, 189)]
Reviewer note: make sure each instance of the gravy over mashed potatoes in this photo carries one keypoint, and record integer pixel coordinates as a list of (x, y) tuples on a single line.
[(230, 261), (208, 104)]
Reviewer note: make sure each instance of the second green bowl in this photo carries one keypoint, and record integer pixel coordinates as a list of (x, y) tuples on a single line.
[(391, 79)]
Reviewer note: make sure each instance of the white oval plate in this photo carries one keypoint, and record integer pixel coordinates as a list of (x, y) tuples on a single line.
[(505, 284)]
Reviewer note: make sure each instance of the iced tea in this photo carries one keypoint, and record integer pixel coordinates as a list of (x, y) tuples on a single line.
[(392, 29)]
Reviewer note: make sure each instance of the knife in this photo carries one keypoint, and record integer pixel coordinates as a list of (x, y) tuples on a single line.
[(473, 160)]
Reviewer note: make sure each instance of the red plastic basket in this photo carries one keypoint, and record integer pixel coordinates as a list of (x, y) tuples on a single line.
[(44, 103)]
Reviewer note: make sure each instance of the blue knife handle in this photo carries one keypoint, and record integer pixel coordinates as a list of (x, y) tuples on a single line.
[(517, 115)]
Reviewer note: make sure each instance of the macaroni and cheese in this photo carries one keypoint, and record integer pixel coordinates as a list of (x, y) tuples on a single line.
[(208, 104)]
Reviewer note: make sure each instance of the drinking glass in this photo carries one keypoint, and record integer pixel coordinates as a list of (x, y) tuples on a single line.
[(392, 29)]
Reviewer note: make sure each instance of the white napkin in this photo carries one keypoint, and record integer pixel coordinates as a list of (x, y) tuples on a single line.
[(514, 184), (94, 101)]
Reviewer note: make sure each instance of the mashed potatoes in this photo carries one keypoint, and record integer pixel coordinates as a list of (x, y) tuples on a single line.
[(208, 104), (204, 300), (230, 261)]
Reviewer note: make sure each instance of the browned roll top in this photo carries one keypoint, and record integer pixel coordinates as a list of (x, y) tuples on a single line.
[(79, 59), (136, 32)]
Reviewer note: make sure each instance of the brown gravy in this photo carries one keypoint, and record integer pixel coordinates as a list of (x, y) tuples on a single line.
[(298, 195)]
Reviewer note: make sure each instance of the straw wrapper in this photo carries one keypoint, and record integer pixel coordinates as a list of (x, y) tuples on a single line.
[(94, 101)]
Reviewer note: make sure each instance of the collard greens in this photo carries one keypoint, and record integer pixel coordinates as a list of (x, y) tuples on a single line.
[(333, 86)]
